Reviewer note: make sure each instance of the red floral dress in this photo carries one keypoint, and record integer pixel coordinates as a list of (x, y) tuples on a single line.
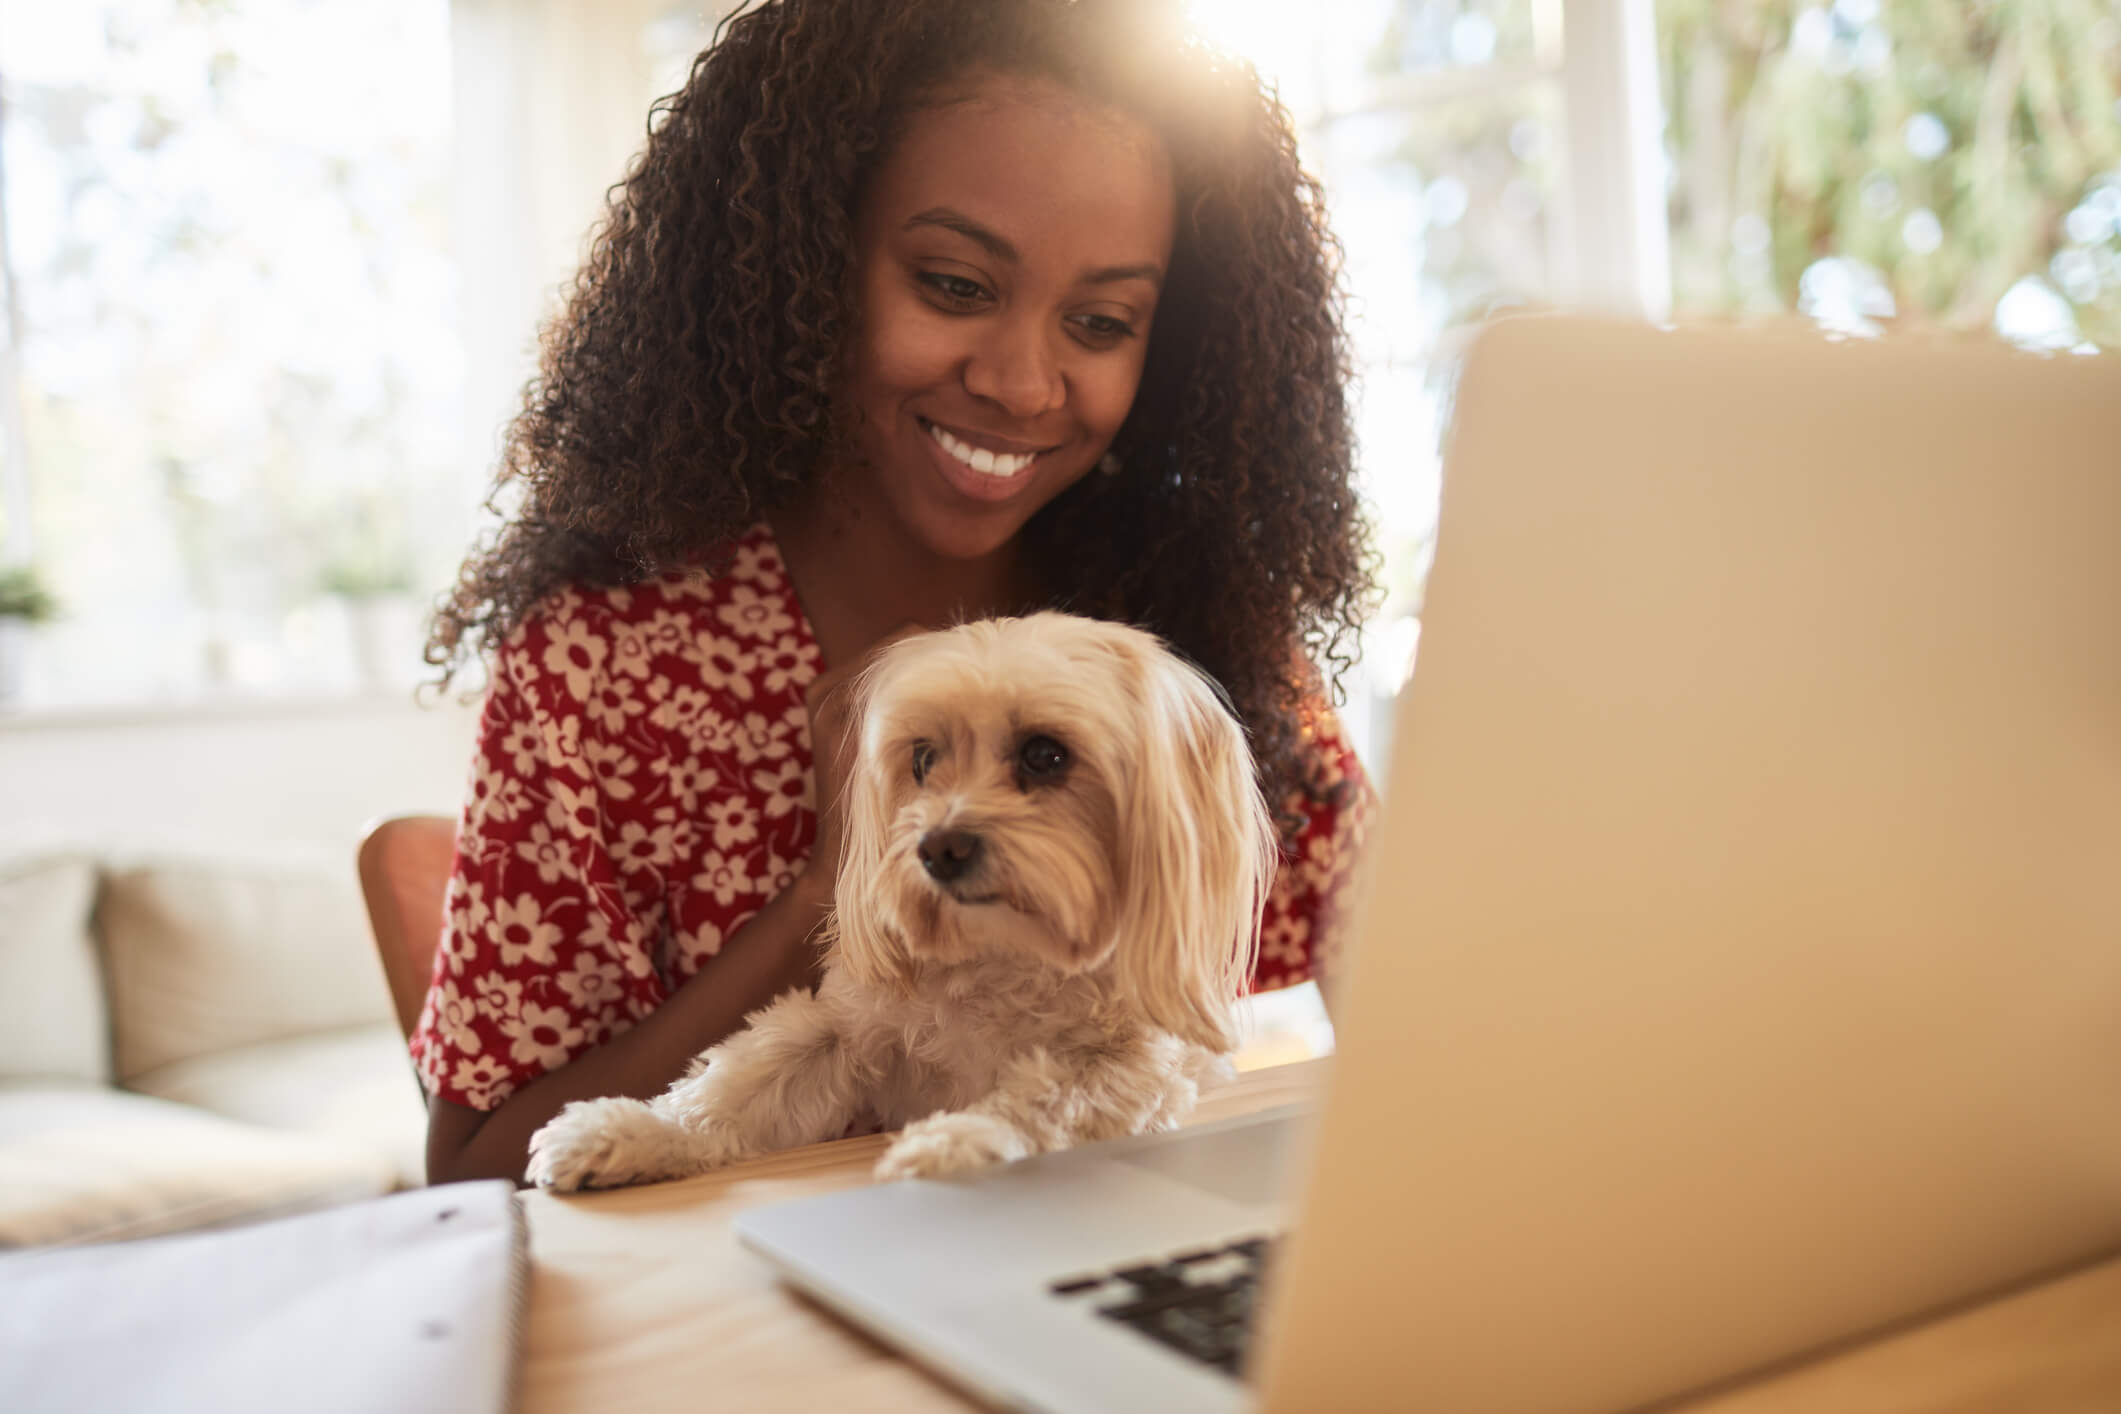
[(642, 787)]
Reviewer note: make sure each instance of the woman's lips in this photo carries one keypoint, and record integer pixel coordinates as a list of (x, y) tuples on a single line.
[(980, 473)]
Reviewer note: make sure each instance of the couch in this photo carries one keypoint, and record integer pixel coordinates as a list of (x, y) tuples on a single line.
[(188, 1043)]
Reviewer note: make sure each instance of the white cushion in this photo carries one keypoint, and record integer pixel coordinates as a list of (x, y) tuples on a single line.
[(357, 1085), (203, 957), (52, 1022), (79, 1163)]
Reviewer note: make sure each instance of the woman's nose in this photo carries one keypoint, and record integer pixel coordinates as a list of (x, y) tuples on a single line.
[(1016, 369)]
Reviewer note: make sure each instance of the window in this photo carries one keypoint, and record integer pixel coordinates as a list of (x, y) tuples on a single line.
[(1883, 165), (233, 423), (279, 267), (1477, 156)]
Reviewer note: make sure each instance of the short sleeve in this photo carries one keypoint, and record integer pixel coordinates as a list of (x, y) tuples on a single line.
[(553, 910), (1302, 926)]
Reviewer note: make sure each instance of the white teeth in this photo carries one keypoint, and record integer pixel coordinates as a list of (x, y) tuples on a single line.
[(981, 460)]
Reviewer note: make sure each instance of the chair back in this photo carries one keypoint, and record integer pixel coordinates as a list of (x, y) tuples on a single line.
[(404, 863)]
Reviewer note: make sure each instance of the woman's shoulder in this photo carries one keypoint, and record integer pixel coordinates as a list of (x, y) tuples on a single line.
[(732, 608), (738, 588), (714, 587), (1329, 750)]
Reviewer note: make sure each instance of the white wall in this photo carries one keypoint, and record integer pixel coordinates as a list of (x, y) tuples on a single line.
[(249, 779)]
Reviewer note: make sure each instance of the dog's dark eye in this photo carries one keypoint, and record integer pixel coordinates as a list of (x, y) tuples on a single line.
[(923, 761), (1042, 758)]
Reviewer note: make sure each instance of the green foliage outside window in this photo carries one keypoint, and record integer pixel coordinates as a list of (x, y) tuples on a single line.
[(1956, 151)]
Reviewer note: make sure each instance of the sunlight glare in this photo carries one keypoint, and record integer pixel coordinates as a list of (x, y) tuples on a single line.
[(1254, 30)]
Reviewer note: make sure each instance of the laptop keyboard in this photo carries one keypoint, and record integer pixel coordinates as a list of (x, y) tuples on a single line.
[(1197, 1303)]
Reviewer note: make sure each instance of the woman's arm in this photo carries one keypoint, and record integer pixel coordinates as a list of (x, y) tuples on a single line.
[(1303, 925), (776, 949), (771, 953)]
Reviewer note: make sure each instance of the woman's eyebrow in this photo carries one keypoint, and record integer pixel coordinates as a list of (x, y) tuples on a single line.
[(995, 245), (1001, 249), (1113, 274)]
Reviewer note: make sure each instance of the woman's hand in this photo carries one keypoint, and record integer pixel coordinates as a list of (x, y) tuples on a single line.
[(835, 740)]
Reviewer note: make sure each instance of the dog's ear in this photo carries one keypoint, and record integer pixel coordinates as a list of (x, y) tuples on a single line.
[(865, 932), (1197, 855)]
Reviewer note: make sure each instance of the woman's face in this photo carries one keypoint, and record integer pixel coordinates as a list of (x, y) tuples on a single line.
[(1009, 252)]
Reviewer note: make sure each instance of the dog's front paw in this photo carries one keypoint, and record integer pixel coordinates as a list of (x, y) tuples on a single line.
[(610, 1143), (946, 1144)]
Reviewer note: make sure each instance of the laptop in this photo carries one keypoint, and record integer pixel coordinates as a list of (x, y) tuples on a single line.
[(1739, 966)]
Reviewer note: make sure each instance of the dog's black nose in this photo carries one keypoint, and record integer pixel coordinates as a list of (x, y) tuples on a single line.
[(948, 854)]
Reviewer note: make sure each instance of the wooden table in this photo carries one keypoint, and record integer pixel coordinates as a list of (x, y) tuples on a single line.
[(642, 1301)]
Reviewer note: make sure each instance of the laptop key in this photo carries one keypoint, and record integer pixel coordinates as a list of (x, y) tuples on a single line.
[(1152, 1278), (1151, 1302)]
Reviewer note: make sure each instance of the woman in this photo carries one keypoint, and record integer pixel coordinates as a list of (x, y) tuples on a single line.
[(911, 311)]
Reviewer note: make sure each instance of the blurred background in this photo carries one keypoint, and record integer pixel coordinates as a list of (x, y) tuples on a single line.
[(272, 273)]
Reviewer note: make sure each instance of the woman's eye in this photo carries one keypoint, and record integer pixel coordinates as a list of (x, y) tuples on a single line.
[(1104, 329), (954, 288), (1042, 758), (923, 761)]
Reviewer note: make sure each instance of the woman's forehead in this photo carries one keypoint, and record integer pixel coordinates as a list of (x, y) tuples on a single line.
[(1027, 160)]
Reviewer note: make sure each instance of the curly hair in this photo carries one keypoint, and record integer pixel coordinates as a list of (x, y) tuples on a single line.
[(688, 387)]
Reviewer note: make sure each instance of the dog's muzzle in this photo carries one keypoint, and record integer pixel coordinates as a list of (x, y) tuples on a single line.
[(949, 855)]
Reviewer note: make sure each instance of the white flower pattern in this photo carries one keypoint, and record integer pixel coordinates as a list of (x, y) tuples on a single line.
[(543, 853), (763, 616), (576, 651)]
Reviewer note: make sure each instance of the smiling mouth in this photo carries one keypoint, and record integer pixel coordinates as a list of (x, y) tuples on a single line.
[(980, 460)]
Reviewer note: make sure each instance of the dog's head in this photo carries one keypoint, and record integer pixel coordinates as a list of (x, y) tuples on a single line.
[(1065, 788)]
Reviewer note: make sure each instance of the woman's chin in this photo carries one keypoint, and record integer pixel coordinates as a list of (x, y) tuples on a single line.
[(952, 533)]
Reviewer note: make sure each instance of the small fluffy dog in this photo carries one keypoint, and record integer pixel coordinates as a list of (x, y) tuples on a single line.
[(1054, 864)]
